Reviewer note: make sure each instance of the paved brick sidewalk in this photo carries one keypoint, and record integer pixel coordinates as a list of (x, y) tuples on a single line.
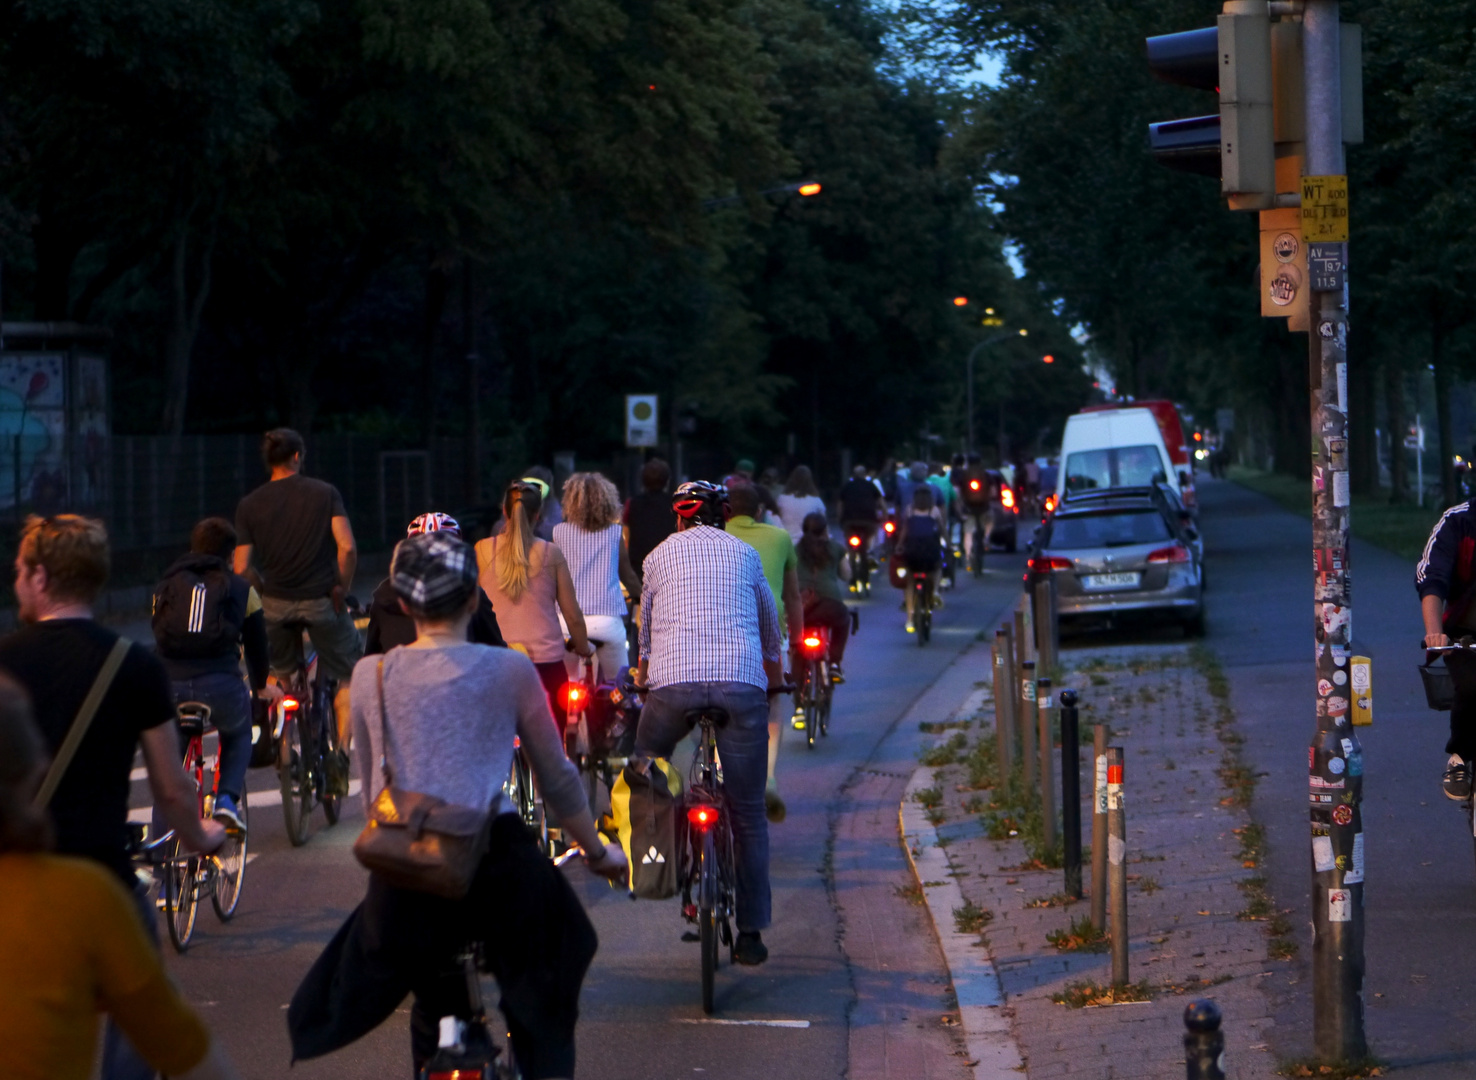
[(1192, 885)]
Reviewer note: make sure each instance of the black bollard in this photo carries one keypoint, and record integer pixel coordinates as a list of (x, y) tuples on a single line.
[(1204, 1042), (1071, 792)]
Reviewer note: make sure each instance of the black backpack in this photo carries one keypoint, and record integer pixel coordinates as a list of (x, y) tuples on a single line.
[(924, 540), (198, 610)]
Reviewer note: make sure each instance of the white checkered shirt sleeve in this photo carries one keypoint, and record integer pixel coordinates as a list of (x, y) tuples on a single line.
[(707, 614)]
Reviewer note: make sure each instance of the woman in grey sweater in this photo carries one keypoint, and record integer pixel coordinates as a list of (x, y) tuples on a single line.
[(451, 710)]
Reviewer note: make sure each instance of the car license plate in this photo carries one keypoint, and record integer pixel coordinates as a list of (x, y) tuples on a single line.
[(1110, 581)]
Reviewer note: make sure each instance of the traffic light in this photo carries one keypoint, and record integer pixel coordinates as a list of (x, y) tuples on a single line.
[(1237, 144)]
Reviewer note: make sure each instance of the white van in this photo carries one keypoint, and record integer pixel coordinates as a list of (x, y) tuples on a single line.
[(1113, 448)]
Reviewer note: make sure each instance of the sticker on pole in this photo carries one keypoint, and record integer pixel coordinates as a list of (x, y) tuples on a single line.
[(1339, 905), (1325, 209), (1322, 853), (1355, 875)]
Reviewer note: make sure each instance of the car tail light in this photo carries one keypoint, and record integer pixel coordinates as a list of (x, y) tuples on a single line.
[(1050, 504), (575, 696), (1007, 498), (1058, 563), (702, 817), (474, 1073), (855, 541), (1175, 554)]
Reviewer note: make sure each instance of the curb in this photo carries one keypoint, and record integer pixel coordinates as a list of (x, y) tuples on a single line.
[(981, 1002)]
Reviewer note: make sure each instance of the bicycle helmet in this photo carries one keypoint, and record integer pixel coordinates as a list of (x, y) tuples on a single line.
[(701, 503), (435, 521)]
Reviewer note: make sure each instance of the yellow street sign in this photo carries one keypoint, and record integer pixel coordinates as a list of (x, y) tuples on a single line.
[(1325, 209)]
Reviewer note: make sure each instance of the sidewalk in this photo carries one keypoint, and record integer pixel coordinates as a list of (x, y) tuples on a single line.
[(1201, 923)]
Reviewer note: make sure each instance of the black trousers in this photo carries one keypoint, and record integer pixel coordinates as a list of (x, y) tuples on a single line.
[(536, 941)]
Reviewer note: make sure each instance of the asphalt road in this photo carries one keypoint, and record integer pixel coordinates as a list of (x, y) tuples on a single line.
[(1420, 894), (641, 1014)]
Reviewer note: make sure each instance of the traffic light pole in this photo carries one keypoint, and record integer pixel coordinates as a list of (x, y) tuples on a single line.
[(1335, 765)]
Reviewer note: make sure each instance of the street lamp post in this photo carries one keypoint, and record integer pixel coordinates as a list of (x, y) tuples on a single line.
[(970, 365)]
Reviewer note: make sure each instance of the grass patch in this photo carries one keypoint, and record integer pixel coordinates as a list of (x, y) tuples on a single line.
[(928, 797), (1400, 528), (1334, 1070), (945, 753), (1000, 826), (911, 892), (1252, 845), (938, 727), (1080, 936), (1149, 885), (1281, 948), (1081, 995), (971, 918)]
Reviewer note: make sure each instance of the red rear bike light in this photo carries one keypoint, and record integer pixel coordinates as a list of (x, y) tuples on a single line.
[(1006, 498), (575, 696), (456, 1074), (702, 817), (1175, 554), (289, 704), (973, 485), (891, 527), (812, 642), (1050, 503), (855, 541)]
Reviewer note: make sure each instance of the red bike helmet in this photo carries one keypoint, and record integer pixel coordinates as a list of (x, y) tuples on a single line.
[(434, 522), (701, 503)]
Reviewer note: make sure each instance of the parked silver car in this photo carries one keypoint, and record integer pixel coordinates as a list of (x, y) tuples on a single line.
[(1121, 552)]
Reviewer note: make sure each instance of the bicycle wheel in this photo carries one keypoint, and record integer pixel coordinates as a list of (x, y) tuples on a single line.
[(328, 741), (231, 870), (812, 702), (707, 931), (296, 784), (181, 896), (530, 804)]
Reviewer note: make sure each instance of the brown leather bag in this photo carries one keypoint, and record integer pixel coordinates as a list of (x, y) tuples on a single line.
[(418, 841)]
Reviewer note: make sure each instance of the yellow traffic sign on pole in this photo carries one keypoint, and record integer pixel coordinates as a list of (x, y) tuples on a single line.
[(1325, 209)]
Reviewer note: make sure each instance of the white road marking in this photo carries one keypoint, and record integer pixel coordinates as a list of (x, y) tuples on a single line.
[(747, 1023), (269, 797)]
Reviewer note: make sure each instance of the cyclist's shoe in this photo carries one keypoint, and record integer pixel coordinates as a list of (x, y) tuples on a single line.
[(836, 675), (775, 811), (937, 602), (750, 949), (228, 814), (336, 770), (799, 722), (1457, 783), (910, 628)]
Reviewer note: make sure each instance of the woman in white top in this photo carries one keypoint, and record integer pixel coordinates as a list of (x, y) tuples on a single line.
[(590, 540), (800, 499)]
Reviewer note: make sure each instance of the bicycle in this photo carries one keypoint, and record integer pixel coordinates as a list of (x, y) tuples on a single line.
[(306, 732), (1440, 693), (709, 866), (522, 792), (922, 605), (860, 561), (466, 1050), (188, 877), (815, 688)]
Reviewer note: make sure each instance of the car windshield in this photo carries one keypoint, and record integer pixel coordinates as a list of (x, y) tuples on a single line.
[(1111, 528), (1120, 466)]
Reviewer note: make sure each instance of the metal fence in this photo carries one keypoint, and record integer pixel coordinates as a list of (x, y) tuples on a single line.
[(152, 489)]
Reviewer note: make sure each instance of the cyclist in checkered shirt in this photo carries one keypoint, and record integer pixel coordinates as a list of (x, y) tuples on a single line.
[(710, 638)]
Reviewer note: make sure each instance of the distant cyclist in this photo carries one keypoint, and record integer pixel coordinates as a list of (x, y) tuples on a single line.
[(203, 615), (1445, 579), (861, 506), (920, 540), (975, 502), (710, 637), (391, 625), (296, 532), (591, 542), (799, 499), (822, 567)]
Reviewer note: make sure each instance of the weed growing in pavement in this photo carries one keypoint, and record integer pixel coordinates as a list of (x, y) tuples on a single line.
[(911, 892), (974, 804), (1081, 995), (1000, 826), (945, 753), (938, 727), (971, 918), (1252, 845), (1279, 926), (928, 797), (1193, 986), (1080, 936), (1149, 885), (981, 764), (1281, 948), (1059, 899), (1334, 1070)]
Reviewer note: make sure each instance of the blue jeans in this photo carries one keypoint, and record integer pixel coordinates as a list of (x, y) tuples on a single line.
[(230, 714), (743, 744)]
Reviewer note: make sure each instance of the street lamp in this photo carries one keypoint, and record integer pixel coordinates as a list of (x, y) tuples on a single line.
[(974, 352)]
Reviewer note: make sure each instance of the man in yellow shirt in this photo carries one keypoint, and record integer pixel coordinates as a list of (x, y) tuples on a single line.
[(781, 571)]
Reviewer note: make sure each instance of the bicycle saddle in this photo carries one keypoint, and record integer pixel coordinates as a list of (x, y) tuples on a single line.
[(193, 716), (719, 716)]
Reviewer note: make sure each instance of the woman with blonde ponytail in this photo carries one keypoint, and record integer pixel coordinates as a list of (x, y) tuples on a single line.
[(528, 582)]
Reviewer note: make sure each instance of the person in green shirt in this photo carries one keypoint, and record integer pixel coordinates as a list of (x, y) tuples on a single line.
[(781, 570)]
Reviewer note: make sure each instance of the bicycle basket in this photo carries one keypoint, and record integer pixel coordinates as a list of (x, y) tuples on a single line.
[(1439, 686)]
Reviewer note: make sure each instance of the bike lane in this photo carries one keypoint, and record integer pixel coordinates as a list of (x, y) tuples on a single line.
[(1420, 1005)]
